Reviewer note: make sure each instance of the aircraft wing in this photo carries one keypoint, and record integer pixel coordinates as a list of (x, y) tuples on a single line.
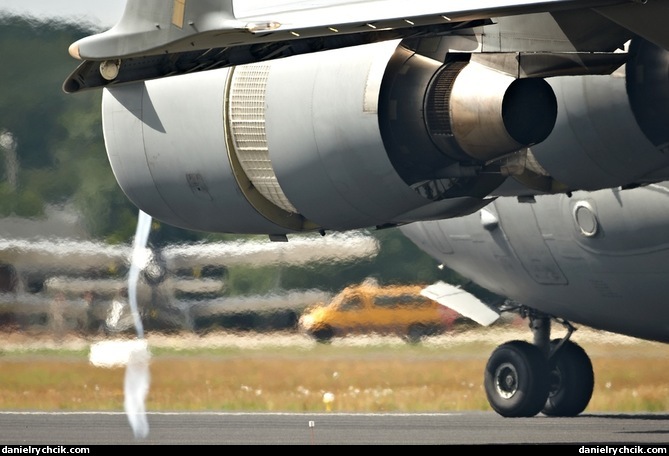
[(156, 38)]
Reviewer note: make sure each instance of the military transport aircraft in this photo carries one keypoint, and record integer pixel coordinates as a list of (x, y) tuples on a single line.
[(522, 143)]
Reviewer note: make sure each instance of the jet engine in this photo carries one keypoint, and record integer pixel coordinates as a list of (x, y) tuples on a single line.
[(372, 135), (610, 131)]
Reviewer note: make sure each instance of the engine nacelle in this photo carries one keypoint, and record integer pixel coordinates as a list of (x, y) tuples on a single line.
[(611, 130), (366, 136)]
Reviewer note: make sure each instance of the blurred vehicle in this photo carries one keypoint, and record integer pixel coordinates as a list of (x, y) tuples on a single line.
[(368, 308)]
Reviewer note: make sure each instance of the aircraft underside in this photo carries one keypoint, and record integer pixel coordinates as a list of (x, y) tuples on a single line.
[(596, 258)]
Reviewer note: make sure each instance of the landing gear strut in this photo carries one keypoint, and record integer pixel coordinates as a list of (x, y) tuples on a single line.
[(554, 377)]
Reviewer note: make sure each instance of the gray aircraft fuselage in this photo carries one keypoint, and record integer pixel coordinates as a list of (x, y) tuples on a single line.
[(596, 258)]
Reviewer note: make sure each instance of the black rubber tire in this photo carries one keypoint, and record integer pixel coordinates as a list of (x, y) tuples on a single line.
[(516, 379), (572, 381), (416, 333), (323, 334)]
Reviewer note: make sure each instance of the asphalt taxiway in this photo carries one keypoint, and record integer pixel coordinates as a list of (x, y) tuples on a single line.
[(211, 428)]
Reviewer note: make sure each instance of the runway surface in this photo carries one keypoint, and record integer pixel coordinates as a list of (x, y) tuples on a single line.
[(478, 428), (212, 428)]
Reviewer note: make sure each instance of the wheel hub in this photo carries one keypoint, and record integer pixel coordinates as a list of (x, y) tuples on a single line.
[(506, 380), (555, 377)]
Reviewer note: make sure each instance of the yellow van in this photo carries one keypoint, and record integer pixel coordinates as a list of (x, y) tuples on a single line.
[(368, 308)]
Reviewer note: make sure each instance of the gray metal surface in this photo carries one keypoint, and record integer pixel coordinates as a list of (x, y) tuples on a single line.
[(598, 258)]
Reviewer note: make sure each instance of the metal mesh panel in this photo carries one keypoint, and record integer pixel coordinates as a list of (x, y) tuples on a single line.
[(247, 124)]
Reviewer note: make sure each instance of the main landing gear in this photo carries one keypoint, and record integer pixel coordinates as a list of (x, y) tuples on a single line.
[(554, 377)]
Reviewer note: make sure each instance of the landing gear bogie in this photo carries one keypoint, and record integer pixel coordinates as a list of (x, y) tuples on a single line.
[(554, 377)]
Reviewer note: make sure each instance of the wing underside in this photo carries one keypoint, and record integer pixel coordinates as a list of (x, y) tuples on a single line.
[(156, 38)]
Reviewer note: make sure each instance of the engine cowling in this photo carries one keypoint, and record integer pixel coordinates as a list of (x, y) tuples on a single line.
[(611, 130), (365, 136)]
